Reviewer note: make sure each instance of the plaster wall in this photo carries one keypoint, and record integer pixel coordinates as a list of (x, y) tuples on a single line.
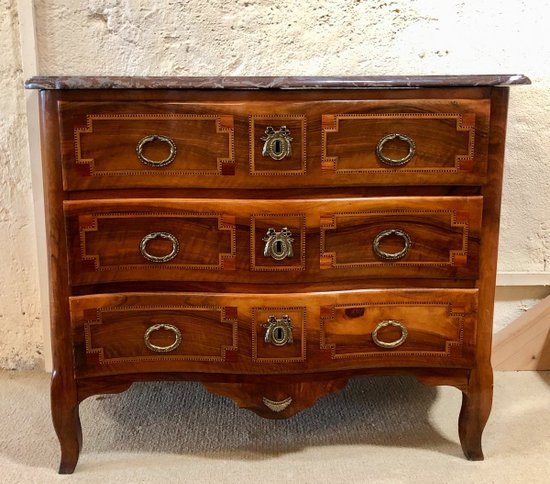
[(20, 325), (264, 37)]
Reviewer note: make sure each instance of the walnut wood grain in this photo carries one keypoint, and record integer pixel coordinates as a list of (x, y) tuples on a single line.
[(64, 397), (223, 240), (221, 198), (219, 144), (477, 399), (277, 398), (224, 333)]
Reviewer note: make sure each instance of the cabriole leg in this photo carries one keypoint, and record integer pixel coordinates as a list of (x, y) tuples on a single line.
[(66, 422), (476, 407)]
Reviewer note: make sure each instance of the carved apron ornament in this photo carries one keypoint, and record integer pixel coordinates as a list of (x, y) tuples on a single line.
[(277, 143)]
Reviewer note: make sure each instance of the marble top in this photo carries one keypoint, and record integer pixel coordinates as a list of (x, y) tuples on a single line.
[(313, 82)]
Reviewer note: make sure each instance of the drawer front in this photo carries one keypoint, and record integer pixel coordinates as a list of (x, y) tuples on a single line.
[(273, 242), (402, 145), (255, 144), (125, 333)]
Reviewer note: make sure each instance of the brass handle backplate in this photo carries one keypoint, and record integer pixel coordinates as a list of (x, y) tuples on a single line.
[(277, 143), (391, 255), (156, 137), (390, 344), (158, 327), (278, 244), (278, 331), (401, 161), (159, 259)]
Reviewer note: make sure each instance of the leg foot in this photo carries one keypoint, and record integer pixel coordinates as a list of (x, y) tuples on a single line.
[(476, 407), (66, 422)]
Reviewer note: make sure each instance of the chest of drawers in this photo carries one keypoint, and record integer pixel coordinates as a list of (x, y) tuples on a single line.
[(271, 237)]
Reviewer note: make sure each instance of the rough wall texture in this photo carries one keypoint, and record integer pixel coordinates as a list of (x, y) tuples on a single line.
[(20, 329), (263, 37)]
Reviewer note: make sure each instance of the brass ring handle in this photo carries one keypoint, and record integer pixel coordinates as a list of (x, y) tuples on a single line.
[(163, 235), (391, 255), (400, 161), (158, 327), (156, 137), (390, 344)]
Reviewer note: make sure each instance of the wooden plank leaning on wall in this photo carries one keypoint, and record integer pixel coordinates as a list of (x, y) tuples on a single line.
[(525, 343)]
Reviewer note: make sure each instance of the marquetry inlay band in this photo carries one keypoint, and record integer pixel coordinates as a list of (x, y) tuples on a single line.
[(224, 162), (89, 224), (227, 316), (451, 345), (329, 222), (463, 162)]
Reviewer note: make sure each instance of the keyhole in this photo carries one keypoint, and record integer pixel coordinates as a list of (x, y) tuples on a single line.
[(278, 147), (278, 246), (279, 334)]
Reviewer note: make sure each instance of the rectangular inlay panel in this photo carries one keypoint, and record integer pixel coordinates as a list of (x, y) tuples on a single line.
[(293, 351), (420, 325), (117, 334), (263, 164), (114, 241), (107, 145), (403, 236), (441, 142), (287, 237)]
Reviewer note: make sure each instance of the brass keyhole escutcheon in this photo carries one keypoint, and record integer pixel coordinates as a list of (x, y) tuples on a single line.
[(278, 245), (277, 143), (278, 330)]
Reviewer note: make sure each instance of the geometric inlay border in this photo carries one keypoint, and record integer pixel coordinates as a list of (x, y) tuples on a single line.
[(223, 123), (452, 348), (252, 143), (89, 223), (464, 122), (228, 315), (302, 249), (456, 257), (278, 310)]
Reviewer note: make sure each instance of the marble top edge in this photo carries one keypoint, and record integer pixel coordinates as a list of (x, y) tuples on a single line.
[(253, 83)]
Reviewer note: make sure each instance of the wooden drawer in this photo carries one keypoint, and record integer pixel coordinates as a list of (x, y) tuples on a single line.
[(249, 241), (220, 144), (118, 333)]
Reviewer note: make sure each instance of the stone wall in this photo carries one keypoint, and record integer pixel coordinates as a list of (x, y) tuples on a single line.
[(261, 37)]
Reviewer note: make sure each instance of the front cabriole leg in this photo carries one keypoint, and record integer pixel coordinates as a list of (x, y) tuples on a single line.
[(66, 422), (476, 407)]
